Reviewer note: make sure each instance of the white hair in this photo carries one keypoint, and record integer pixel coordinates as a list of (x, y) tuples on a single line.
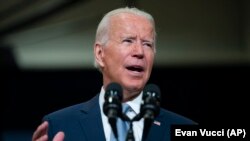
[(102, 30)]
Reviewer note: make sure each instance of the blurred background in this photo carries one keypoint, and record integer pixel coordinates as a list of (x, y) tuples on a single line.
[(46, 58)]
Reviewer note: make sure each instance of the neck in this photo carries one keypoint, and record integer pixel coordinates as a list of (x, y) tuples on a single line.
[(128, 96)]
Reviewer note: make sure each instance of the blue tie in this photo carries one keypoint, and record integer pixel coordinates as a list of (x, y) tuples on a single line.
[(122, 126)]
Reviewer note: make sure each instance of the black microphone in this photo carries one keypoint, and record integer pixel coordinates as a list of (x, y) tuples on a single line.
[(112, 106), (150, 107)]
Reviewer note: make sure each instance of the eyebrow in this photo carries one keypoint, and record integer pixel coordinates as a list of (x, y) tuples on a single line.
[(134, 37), (128, 36), (146, 40)]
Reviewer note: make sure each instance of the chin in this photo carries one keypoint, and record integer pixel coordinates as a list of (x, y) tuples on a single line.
[(135, 87), (133, 84)]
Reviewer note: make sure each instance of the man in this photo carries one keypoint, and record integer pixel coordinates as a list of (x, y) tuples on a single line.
[(124, 52)]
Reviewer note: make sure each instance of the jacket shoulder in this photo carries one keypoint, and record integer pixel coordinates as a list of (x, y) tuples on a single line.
[(72, 111), (174, 118)]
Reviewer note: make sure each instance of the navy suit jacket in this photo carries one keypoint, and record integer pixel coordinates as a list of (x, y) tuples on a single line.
[(82, 122)]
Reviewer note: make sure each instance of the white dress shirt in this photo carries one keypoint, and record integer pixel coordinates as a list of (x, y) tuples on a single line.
[(135, 104)]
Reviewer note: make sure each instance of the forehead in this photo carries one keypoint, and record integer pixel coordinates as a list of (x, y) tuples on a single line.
[(131, 22), (129, 18)]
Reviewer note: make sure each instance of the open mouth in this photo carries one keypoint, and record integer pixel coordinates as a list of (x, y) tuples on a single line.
[(135, 68)]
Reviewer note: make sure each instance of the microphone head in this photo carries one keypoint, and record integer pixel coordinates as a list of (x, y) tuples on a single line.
[(150, 107), (152, 90), (113, 96), (112, 105), (113, 89)]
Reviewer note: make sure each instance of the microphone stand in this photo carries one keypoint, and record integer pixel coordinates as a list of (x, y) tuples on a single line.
[(147, 125)]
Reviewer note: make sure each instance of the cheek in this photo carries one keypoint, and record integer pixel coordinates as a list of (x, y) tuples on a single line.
[(115, 59), (150, 59)]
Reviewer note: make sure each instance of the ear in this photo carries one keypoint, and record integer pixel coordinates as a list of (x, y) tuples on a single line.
[(99, 53)]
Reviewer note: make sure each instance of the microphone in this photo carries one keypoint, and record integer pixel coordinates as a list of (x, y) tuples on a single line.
[(112, 106), (150, 107)]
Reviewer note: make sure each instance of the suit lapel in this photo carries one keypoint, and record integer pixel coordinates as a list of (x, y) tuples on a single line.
[(159, 129), (91, 121)]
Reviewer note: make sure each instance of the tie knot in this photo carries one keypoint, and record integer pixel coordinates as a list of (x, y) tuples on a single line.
[(126, 108)]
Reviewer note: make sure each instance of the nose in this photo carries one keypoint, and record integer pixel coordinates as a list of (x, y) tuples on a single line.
[(138, 51)]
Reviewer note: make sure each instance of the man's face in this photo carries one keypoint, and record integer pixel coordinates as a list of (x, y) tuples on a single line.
[(128, 56)]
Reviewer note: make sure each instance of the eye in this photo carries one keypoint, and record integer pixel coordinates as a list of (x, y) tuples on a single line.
[(148, 44), (128, 41)]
